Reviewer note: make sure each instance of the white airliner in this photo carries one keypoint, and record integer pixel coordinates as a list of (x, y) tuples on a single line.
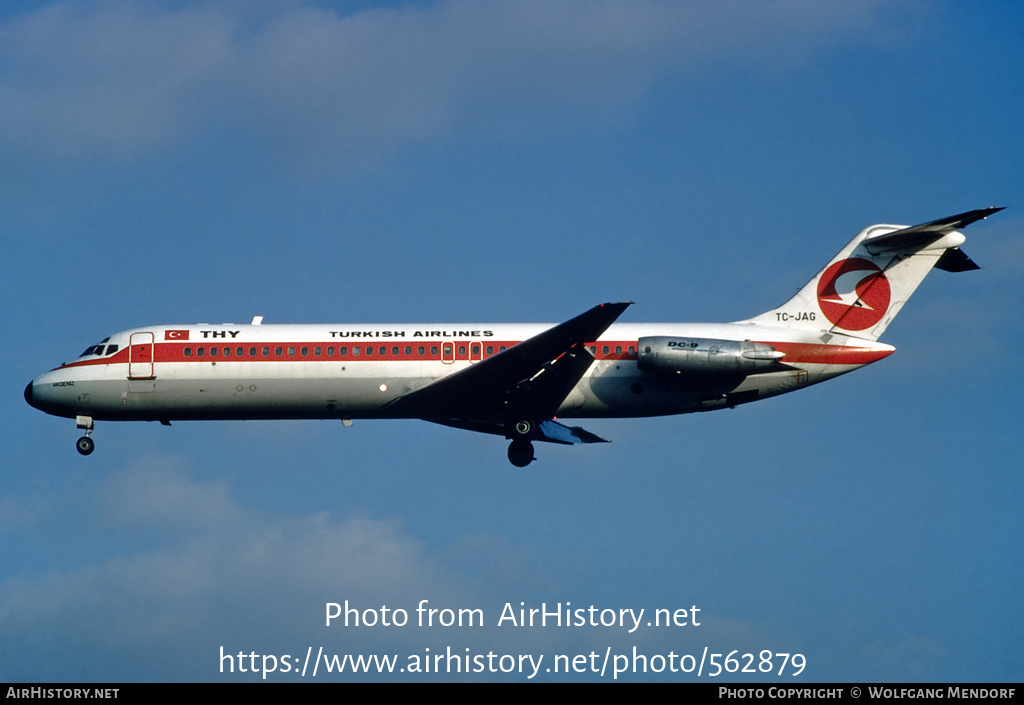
[(509, 379)]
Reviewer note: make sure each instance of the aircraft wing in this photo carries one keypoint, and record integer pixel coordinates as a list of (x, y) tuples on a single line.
[(530, 380)]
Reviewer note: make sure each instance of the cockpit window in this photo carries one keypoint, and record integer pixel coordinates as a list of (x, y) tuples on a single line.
[(98, 349)]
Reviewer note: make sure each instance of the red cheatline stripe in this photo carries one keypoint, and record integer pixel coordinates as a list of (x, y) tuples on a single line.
[(175, 352), (828, 354)]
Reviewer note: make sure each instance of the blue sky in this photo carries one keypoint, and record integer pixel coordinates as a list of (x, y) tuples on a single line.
[(175, 162)]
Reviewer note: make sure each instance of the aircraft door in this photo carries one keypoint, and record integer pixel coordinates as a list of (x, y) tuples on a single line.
[(140, 356)]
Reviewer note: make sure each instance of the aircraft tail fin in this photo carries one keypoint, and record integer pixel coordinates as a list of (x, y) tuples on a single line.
[(862, 289)]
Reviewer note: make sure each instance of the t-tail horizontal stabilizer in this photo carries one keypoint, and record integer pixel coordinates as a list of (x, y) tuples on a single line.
[(919, 236)]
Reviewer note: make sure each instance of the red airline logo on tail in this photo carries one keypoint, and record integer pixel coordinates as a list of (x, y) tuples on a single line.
[(854, 294)]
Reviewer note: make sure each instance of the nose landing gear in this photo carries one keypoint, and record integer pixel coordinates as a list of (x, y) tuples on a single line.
[(85, 444)]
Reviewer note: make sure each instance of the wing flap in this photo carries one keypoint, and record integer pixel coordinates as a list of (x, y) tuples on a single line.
[(550, 430), (555, 432)]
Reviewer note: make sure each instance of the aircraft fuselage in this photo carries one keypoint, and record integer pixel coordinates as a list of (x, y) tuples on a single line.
[(231, 371)]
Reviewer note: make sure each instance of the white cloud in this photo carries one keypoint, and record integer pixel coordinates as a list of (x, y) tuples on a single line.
[(107, 77), (207, 562), (123, 78), (155, 491), (193, 570)]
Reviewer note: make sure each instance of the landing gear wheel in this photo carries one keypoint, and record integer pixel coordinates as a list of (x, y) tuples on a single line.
[(85, 445), (520, 453)]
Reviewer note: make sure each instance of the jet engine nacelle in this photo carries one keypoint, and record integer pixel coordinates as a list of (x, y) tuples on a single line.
[(667, 354)]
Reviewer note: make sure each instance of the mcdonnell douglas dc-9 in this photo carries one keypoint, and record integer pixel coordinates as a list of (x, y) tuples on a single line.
[(508, 379)]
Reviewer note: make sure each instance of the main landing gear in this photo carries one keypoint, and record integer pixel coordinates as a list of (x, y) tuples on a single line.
[(85, 444), (520, 451)]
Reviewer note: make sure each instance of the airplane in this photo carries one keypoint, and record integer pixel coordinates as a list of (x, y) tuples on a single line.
[(509, 379)]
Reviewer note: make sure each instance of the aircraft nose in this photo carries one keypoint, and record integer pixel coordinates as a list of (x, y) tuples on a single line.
[(28, 394)]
